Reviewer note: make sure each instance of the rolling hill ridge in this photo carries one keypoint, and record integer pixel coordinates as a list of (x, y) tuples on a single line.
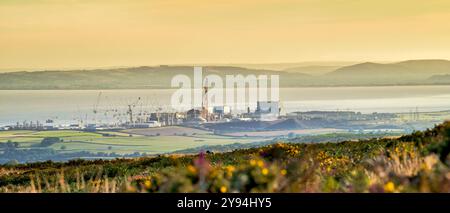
[(412, 72)]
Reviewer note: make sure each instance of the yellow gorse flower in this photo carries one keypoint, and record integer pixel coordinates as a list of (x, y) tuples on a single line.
[(389, 187), (230, 168), (260, 163), (223, 189), (148, 184), (192, 169)]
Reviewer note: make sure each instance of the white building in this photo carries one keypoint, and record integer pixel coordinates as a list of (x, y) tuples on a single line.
[(267, 110), (149, 124), (5, 128)]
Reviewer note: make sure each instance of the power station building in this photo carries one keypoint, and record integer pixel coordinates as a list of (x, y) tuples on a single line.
[(267, 110)]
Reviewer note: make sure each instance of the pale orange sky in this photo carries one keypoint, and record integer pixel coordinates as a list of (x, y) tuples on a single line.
[(45, 34)]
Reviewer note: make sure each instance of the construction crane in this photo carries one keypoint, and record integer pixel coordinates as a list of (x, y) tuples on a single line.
[(204, 112), (80, 118), (95, 110), (130, 109), (282, 109)]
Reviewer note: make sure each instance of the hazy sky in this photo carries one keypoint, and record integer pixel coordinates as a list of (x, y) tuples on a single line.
[(99, 33)]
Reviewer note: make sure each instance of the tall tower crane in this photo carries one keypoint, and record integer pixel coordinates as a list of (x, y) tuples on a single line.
[(95, 110), (204, 112), (130, 109)]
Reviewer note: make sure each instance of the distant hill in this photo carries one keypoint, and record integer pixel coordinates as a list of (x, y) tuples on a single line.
[(414, 72), (406, 72), (293, 66), (421, 67), (439, 79), (312, 70), (371, 69), (427, 66), (126, 78)]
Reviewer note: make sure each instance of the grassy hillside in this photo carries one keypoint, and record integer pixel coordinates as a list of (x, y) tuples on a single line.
[(79, 144), (411, 163)]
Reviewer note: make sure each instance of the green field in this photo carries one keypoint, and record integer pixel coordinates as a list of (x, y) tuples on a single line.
[(118, 142)]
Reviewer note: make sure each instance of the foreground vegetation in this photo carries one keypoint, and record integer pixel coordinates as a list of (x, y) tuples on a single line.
[(61, 145), (412, 163)]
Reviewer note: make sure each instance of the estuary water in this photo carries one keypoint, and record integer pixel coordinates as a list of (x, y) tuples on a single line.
[(71, 106)]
